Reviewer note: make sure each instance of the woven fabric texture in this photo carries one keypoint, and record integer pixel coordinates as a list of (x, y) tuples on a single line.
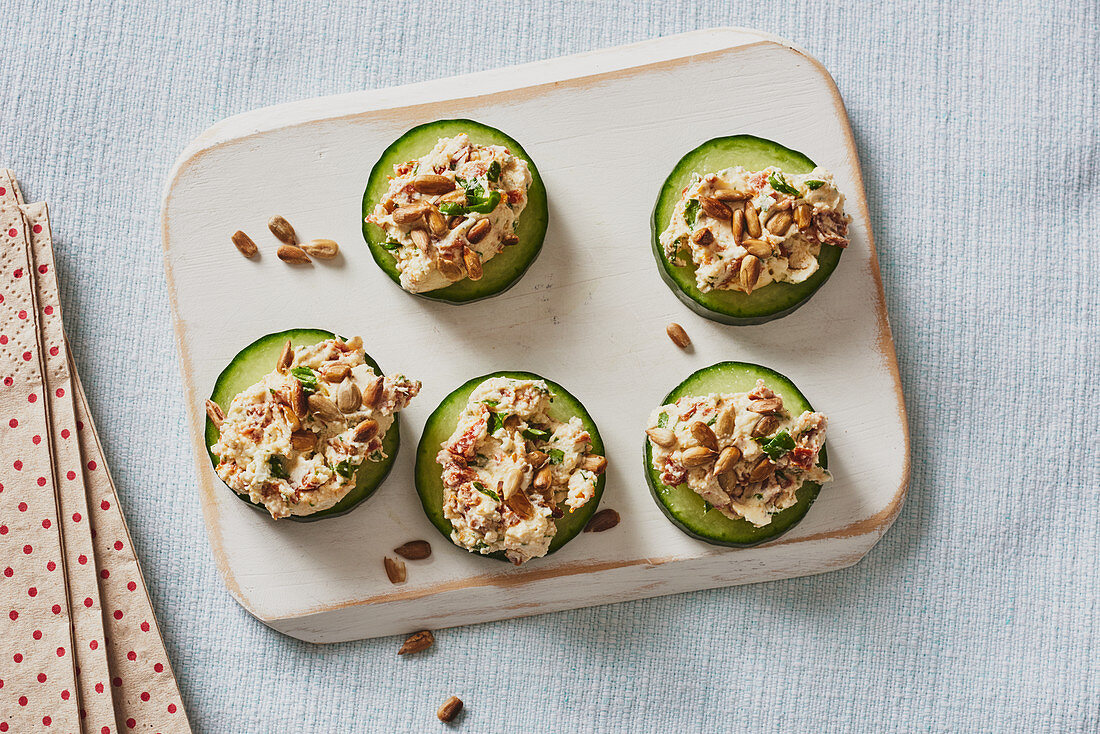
[(979, 134)]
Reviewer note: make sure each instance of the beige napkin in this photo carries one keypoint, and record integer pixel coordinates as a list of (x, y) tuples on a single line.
[(90, 655), (122, 679), (39, 680)]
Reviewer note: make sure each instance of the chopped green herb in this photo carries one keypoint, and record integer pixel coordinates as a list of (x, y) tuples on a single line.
[(813, 184), (306, 376), (662, 420), (345, 469), (707, 507), (486, 491), (392, 244), (494, 171), (779, 183), (691, 212), (535, 434), (491, 403), (556, 456), (485, 204), (452, 209), (277, 469), (758, 496), (712, 420), (779, 445), (376, 456), (496, 421)]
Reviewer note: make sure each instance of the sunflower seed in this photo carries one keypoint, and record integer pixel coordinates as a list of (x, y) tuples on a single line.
[(594, 463), (477, 232), (520, 505), (291, 420), (750, 272), (779, 223), (421, 239), (803, 213), (336, 373), (414, 550), (473, 263), (702, 433), (714, 208), (432, 183), (602, 520), (663, 437), (282, 230), (727, 459), (321, 248), (536, 458), (697, 456), (678, 336), (348, 397), (752, 220), (215, 413), (509, 239), (723, 423), (293, 255), (737, 225), (511, 481), (731, 195), (395, 570), (417, 642), (458, 196), (543, 479), (437, 223), (410, 212), (450, 709), (373, 392), (296, 397), (324, 408), (365, 431), (244, 243), (757, 248), (702, 237), (765, 426), (303, 440), (766, 405), (761, 469)]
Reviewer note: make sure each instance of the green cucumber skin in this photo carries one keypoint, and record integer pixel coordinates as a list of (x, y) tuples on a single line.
[(255, 361), (771, 302), (713, 527), (439, 427), (501, 272)]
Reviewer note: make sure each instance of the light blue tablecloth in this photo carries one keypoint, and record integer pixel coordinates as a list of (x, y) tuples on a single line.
[(977, 126)]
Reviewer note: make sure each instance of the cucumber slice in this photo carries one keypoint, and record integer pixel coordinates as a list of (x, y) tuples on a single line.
[(684, 507), (501, 272), (734, 307), (255, 361), (441, 424)]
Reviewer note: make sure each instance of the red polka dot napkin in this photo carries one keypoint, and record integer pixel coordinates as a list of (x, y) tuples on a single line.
[(109, 671), (38, 689), (96, 703)]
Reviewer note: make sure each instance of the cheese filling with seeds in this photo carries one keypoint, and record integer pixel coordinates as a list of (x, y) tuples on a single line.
[(741, 452), (434, 210), (779, 240), (294, 441), (508, 468)]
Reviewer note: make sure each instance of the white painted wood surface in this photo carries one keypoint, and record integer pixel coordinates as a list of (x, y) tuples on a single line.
[(604, 128)]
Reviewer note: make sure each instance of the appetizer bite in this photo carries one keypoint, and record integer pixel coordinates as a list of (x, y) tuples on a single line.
[(302, 423), (454, 210), (748, 229), (735, 456), (510, 465)]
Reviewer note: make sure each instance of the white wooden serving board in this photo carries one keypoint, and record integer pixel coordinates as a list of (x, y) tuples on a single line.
[(604, 128)]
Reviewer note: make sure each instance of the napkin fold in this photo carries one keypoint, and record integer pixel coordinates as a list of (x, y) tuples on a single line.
[(86, 654)]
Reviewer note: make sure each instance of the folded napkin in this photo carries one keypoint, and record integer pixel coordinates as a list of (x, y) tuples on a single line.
[(85, 651)]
